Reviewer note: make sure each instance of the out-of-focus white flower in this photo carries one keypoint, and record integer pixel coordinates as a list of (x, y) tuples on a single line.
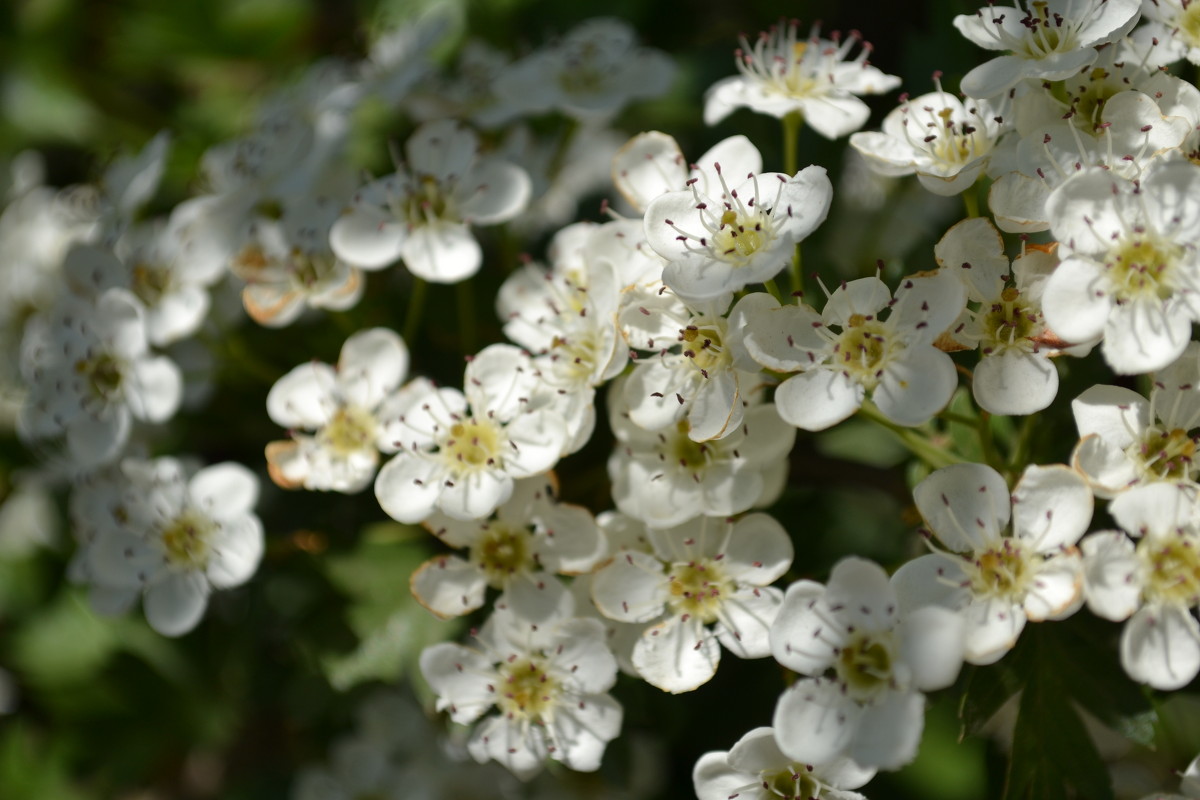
[(882, 656), (461, 453), (1176, 26), (1126, 440), (706, 582), (894, 359), (346, 408), (90, 374), (180, 538), (1154, 583), (782, 73), (594, 71), (1048, 40), (423, 213), (756, 769), (720, 238), (999, 580), (547, 679), (1130, 269), (1189, 785)]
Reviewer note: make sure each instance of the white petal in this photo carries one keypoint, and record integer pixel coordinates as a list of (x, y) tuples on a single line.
[(583, 654), (932, 579), (237, 551), (889, 733), (648, 165), (1161, 646), (1052, 507), (441, 252), (367, 237), (498, 190), (1145, 335), (581, 730), (461, 678), (224, 491), (156, 388), (632, 588), (1154, 509), (746, 619), (1015, 383), (931, 644), (816, 400), (448, 586), (1110, 575), (993, 625), (677, 656), (175, 604), (802, 638), (759, 550), (916, 385), (408, 487), (1057, 591), (815, 721), (1075, 303), (965, 505), (473, 495), (521, 748), (1107, 469), (714, 779), (1118, 415), (372, 364), (304, 397)]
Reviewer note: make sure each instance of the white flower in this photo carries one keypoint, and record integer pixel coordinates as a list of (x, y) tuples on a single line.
[(548, 682), (651, 164), (423, 213), (705, 582), (945, 142), (90, 374), (871, 709), (998, 579), (1176, 24), (461, 453), (756, 769), (288, 265), (180, 538), (1050, 40), (721, 240), (528, 538), (702, 372), (894, 359), (781, 74), (1130, 268), (592, 73), (664, 478), (1015, 374), (1126, 440), (346, 407), (1154, 584)]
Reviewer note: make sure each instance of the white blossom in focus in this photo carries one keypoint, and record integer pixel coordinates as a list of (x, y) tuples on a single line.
[(882, 657), (705, 584), (756, 769), (345, 408), (998, 578)]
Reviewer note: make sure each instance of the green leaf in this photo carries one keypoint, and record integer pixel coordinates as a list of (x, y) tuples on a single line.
[(50, 780), (392, 627), (64, 644)]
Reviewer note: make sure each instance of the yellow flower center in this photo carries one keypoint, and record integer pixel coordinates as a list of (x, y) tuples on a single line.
[(150, 282), (351, 430), (1188, 24), (1173, 568), (527, 693), (1009, 323), (698, 588), (740, 236), (1142, 269), (703, 345), (501, 552), (862, 348), (794, 783), (1001, 572), (186, 540), (103, 374), (473, 444), (864, 664), (1165, 455)]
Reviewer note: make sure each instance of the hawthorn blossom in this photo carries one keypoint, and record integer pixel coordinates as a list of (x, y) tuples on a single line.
[(528, 539), (1015, 374), (1047, 39), (946, 142), (460, 453), (783, 74), (1154, 583), (718, 243), (423, 213), (756, 769), (179, 537), (1127, 439), (1130, 268), (893, 358), (651, 164), (882, 656), (90, 374), (595, 70), (999, 578), (547, 680), (704, 585), (664, 478), (347, 409), (1176, 26)]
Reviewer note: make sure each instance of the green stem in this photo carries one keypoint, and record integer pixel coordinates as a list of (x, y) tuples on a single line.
[(796, 274), (416, 306), (466, 315), (1020, 452), (971, 201), (773, 288), (986, 443), (792, 123), (918, 443), (961, 419)]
